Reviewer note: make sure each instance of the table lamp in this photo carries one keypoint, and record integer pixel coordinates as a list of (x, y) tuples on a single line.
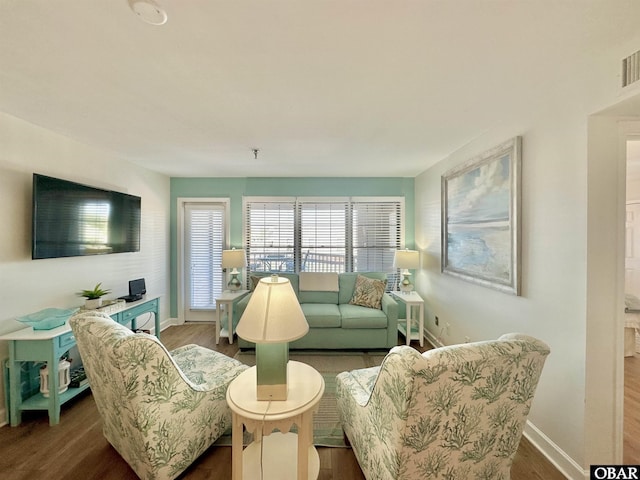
[(234, 259), (404, 260), (273, 318)]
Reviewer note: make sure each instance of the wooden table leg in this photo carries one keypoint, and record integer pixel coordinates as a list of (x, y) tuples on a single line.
[(236, 447), (408, 314), (229, 310), (218, 320), (421, 323), (305, 440)]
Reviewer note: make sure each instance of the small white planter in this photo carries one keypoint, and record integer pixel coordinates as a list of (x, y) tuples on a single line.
[(92, 303)]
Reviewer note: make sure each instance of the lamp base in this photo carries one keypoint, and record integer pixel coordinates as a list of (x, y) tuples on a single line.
[(405, 284), (271, 370), (234, 283)]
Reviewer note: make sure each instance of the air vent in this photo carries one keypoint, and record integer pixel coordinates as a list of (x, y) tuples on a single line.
[(631, 69)]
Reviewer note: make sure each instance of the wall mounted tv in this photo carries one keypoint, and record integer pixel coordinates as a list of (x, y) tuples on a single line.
[(70, 219)]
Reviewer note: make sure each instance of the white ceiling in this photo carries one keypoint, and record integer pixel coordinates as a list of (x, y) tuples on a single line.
[(321, 87)]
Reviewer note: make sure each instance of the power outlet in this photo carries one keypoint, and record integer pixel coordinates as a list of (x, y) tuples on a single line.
[(437, 321), (467, 339)]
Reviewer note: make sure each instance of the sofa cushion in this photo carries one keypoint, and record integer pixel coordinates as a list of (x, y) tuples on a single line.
[(318, 297), (321, 315), (348, 283), (368, 292), (355, 316)]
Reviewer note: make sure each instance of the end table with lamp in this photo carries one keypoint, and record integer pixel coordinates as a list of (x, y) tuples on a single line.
[(413, 326), (276, 393), (224, 308), (269, 451)]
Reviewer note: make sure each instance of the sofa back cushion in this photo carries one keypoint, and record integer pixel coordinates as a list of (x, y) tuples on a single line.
[(318, 287), (348, 283), (319, 281), (255, 277)]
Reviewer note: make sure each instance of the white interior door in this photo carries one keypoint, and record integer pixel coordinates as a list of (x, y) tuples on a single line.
[(205, 236)]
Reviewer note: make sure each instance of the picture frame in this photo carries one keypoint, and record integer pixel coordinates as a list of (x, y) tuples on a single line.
[(481, 218)]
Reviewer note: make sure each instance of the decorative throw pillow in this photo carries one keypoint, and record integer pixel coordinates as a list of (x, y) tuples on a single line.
[(368, 292)]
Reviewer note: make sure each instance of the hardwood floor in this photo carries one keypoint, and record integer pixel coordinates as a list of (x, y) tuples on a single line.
[(76, 450), (631, 445)]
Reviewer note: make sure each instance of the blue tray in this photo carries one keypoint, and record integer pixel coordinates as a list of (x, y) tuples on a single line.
[(48, 318)]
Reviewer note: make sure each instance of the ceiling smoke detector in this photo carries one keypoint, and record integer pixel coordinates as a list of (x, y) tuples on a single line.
[(148, 11)]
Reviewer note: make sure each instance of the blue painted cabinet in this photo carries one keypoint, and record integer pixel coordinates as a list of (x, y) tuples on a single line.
[(28, 345)]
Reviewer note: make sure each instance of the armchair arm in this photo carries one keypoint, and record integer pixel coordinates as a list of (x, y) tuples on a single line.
[(240, 307), (205, 370), (376, 425), (390, 308)]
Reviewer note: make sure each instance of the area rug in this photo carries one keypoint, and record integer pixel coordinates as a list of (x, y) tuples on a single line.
[(327, 431)]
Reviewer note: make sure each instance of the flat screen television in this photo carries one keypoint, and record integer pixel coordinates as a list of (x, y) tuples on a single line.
[(71, 219)]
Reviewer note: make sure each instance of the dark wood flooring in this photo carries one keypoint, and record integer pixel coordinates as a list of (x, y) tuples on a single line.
[(631, 445), (76, 450)]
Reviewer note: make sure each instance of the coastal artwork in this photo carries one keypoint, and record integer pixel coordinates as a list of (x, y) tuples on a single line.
[(480, 203)]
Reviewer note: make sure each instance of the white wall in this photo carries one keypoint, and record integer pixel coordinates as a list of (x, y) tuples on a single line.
[(30, 285), (572, 418)]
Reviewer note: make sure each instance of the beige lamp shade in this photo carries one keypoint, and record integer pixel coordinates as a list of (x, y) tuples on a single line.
[(406, 259), (273, 314), (234, 259)]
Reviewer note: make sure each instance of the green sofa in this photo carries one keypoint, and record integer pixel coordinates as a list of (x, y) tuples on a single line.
[(333, 322)]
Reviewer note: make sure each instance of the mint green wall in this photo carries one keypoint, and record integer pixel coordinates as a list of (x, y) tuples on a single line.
[(236, 188)]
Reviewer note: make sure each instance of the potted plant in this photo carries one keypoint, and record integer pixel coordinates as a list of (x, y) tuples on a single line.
[(93, 296)]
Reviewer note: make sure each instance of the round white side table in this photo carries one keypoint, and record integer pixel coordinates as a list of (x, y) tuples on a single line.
[(269, 452)]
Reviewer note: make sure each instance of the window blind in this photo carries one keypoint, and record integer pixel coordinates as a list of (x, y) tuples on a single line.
[(205, 224), (377, 234), (323, 236), (270, 236), (357, 234)]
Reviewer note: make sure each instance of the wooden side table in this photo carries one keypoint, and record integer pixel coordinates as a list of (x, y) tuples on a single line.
[(413, 301), (226, 299), (270, 452)]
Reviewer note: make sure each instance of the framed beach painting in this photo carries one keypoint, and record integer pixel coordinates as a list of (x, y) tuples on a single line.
[(481, 218)]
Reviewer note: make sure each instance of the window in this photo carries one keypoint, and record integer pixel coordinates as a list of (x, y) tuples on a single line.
[(376, 227), (269, 236), (323, 236), (293, 234)]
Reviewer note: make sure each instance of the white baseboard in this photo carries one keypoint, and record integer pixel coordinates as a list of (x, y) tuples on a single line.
[(558, 457), (432, 340), (169, 322)]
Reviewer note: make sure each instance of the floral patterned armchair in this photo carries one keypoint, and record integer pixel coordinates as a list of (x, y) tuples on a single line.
[(451, 413), (160, 409)]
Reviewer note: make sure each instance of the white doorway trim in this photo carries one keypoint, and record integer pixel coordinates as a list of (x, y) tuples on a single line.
[(604, 347), (181, 202)]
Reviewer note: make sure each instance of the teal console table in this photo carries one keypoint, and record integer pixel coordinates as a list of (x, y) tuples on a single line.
[(28, 345)]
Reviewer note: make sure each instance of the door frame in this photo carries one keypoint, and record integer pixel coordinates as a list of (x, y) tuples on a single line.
[(181, 203)]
